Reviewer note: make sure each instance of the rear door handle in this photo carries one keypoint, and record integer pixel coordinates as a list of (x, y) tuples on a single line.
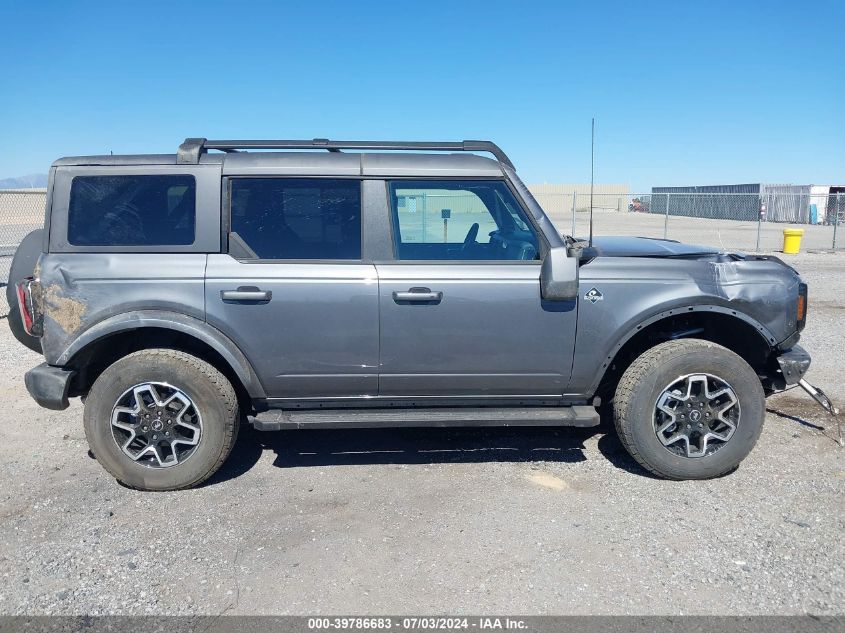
[(246, 294), (418, 294)]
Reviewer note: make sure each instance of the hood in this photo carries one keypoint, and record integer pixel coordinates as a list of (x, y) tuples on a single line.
[(619, 246)]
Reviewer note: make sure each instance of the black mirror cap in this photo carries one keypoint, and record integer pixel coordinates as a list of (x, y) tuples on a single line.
[(559, 276)]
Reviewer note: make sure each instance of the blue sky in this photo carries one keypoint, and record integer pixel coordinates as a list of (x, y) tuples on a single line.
[(683, 92)]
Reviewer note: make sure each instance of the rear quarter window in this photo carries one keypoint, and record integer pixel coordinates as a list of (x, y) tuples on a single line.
[(132, 210)]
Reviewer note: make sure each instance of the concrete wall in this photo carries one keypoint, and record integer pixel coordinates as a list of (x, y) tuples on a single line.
[(556, 199)]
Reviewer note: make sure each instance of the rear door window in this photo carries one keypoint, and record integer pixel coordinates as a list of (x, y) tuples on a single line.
[(298, 218), (132, 210)]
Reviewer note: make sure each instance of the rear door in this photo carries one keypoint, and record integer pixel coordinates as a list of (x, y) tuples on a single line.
[(460, 306), (293, 291)]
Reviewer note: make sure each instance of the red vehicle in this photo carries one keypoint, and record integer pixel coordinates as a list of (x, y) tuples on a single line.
[(638, 206)]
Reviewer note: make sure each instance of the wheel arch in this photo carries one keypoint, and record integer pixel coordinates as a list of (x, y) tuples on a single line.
[(117, 336), (728, 327)]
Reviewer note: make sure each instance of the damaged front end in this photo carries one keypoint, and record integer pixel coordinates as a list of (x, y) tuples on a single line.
[(763, 287), (791, 365)]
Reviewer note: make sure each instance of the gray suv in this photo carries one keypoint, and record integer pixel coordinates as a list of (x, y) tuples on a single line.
[(178, 293)]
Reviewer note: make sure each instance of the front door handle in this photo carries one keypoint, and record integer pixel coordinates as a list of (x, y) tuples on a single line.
[(247, 294), (418, 294)]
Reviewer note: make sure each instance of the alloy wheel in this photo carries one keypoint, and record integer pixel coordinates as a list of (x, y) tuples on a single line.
[(696, 415), (156, 424)]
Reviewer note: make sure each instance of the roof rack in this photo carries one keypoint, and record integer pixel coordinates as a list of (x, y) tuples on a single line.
[(189, 152)]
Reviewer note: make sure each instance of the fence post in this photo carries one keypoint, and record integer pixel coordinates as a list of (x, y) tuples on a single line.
[(759, 222), (424, 210), (574, 196), (666, 219), (835, 220)]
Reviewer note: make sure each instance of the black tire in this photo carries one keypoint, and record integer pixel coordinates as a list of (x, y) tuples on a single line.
[(202, 383), (23, 265), (646, 379)]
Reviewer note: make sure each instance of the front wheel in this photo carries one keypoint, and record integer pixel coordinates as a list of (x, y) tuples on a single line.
[(689, 409), (161, 419)]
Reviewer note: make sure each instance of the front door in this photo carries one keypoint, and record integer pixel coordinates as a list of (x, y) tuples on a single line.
[(293, 292), (460, 307)]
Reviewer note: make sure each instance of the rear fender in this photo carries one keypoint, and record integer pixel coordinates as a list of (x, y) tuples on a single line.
[(172, 321)]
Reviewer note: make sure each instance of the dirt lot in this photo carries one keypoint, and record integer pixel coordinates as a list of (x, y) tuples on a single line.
[(516, 521)]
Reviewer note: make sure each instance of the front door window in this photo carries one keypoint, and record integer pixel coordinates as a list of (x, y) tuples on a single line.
[(476, 220)]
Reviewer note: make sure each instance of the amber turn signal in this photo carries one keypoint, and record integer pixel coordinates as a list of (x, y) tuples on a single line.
[(801, 307)]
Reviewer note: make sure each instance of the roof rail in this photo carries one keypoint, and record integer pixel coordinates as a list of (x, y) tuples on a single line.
[(189, 152)]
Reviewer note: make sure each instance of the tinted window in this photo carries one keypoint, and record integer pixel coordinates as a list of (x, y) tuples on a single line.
[(298, 218), (460, 220), (132, 210)]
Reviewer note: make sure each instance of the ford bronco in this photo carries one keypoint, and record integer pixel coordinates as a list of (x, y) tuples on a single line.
[(176, 294)]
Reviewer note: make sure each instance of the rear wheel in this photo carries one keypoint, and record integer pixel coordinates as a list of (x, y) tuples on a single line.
[(689, 409), (161, 419)]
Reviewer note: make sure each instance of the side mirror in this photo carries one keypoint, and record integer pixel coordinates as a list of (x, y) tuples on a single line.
[(559, 276)]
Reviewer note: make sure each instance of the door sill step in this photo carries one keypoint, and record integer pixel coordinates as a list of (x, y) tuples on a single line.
[(275, 420)]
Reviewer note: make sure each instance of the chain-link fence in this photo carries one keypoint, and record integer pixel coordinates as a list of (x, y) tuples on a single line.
[(21, 211), (732, 221), (750, 222)]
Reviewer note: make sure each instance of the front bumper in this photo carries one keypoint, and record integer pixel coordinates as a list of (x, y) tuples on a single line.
[(49, 385), (793, 364)]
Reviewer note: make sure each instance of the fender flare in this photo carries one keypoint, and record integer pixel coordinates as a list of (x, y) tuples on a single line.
[(178, 322), (761, 329)]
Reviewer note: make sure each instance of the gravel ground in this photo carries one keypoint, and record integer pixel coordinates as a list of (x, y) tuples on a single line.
[(532, 521)]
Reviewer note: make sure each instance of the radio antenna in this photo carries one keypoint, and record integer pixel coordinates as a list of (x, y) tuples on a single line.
[(592, 172)]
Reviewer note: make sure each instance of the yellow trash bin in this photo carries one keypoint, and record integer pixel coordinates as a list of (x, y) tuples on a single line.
[(792, 240)]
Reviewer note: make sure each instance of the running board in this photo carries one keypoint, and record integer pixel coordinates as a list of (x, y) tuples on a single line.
[(277, 419)]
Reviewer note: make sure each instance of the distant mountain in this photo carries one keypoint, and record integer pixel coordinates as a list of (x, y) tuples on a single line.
[(33, 181)]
